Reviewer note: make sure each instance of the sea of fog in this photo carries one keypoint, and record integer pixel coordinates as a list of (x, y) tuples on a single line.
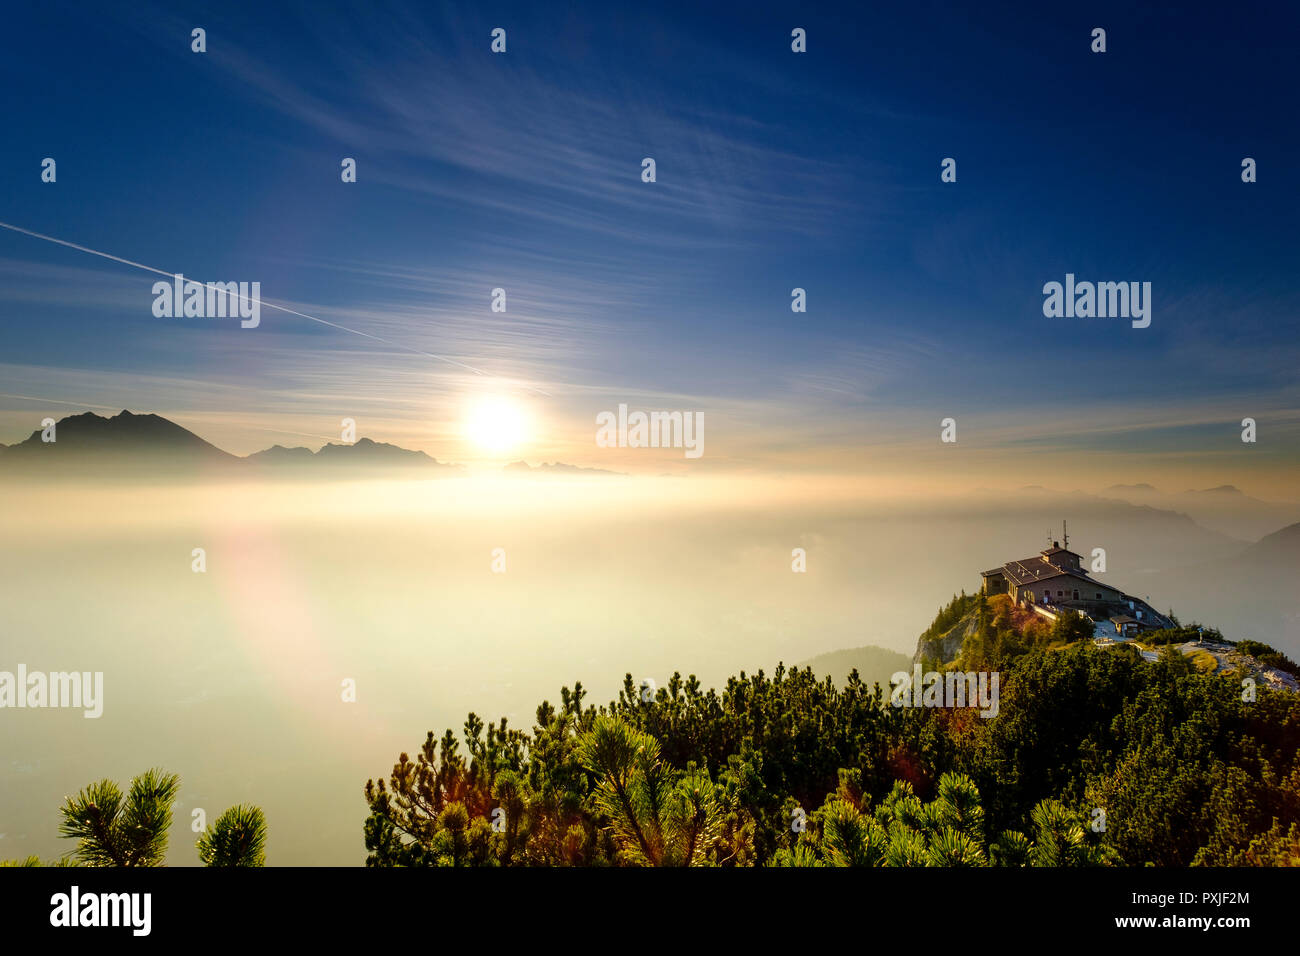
[(233, 677)]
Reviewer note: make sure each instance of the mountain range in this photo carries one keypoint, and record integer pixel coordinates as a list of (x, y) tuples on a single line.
[(873, 664), (555, 468), (1226, 509), (90, 445)]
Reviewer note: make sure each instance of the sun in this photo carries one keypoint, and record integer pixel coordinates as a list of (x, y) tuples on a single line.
[(496, 424)]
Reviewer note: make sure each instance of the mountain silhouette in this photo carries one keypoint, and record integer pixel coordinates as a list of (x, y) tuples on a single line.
[(553, 468), (363, 451), (1281, 548), (279, 455), (873, 664), (91, 434), (1226, 508), (89, 446)]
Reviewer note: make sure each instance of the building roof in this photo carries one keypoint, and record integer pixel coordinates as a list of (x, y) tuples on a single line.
[(1037, 568), (1122, 619), (1056, 549)]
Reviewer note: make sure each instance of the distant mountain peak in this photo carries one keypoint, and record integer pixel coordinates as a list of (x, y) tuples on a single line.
[(1283, 545), (1220, 490), (370, 448), (555, 467), (280, 453), (128, 439), (125, 432)]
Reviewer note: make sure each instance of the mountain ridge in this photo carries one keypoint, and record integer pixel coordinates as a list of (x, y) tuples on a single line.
[(554, 468), (874, 664), (128, 438)]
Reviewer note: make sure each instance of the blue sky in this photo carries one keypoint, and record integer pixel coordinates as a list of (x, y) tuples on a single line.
[(775, 170)]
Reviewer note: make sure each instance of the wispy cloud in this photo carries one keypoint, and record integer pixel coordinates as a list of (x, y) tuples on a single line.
[(440, 103)]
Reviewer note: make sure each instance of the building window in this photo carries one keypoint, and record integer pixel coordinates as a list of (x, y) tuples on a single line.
[(1076, 595), (1060, 594), (1098, 595)]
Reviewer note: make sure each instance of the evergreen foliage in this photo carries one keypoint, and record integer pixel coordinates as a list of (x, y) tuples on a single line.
[(116, 830), (1095, 757), (113, 830), (237, 838)]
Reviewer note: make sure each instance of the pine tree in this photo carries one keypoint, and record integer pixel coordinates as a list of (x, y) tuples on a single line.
[(114, 831), (237, 838)]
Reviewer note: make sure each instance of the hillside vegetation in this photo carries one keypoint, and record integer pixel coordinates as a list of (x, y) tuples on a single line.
[(974, 631), (1096, 756)]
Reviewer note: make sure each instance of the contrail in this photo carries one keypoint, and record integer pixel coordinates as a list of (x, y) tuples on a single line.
[(55, 401), (269, 305)]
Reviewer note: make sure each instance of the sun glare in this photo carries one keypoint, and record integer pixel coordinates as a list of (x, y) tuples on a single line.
[(495, 424)]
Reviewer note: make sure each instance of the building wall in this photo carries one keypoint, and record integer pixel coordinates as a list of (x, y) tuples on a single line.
[(1067, 585), (1063, 559)]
